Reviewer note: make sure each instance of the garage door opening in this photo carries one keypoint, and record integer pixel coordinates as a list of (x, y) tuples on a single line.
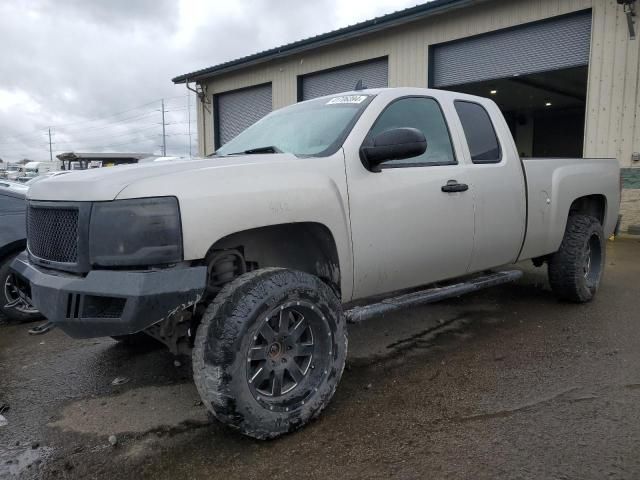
[(537, 74), (545, 111)]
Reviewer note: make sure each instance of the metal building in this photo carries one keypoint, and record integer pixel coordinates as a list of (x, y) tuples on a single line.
[(566, 73), (84, 161)]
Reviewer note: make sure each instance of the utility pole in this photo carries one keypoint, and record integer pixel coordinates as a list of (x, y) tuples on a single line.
[(164, 136), (50, 149)]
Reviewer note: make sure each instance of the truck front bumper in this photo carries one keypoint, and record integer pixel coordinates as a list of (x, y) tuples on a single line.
[(111, 302)]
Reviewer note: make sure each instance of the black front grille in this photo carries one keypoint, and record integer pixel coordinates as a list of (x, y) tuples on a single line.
[(52, 233)]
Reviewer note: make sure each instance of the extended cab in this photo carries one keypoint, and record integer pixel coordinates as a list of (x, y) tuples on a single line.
[(249, 256)]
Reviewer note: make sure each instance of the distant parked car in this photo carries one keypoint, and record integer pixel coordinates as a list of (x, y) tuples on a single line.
[(14, 290), (31, 180), (13, 171)]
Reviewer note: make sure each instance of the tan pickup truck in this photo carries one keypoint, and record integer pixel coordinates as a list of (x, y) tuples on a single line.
[(248, 259)]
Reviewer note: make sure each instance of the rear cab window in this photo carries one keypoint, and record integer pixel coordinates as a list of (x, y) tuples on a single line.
[(479, 132)]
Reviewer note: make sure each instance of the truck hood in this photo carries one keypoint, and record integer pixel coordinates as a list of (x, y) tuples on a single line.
[(104, 184)]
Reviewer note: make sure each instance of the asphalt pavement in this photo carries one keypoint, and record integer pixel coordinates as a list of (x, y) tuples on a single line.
[(504, 383)]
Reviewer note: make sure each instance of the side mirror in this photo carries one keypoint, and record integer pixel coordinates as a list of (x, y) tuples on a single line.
[(393, 144)]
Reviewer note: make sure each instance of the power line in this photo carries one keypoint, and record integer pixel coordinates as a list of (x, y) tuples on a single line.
[(99, 119), (83, 137), (93, 139), (62, 127), (41, 133), (83, 130), (96, 119), (117, 113), (111, 124)]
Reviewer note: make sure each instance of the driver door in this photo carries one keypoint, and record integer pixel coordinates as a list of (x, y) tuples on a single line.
[(406, 230)]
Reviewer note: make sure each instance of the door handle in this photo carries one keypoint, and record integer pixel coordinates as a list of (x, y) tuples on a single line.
[(453, 186)]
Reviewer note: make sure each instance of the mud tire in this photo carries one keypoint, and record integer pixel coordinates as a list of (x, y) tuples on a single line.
[(575, 270), (229, 329)]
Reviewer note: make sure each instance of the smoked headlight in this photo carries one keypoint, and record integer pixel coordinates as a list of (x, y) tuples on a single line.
[(136, 232)]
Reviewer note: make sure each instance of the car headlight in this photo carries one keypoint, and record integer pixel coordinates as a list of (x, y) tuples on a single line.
[(136, 232)]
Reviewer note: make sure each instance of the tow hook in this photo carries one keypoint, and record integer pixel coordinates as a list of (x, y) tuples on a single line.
[(42, 328)]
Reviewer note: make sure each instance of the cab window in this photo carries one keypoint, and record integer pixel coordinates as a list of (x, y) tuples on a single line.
[(425, 115), (479, 131)]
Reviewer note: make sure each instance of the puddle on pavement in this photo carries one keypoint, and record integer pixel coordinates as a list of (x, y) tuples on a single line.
[(18, 459), (137, 410)]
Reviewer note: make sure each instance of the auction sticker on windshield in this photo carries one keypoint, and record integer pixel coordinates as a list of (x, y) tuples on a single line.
[(347, 99)]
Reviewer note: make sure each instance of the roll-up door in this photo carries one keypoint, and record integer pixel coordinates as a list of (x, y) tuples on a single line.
[(240, 109), (560, 43), (372, 74)]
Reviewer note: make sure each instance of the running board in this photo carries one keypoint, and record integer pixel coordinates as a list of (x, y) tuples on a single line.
[(431, 295)]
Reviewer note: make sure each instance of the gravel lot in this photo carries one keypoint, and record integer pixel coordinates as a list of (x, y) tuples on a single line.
[(506, 383)]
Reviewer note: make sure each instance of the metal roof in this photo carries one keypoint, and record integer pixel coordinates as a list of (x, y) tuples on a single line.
[(379, 23), (101, 156)]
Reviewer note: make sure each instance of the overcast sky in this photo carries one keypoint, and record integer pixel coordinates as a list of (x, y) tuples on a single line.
[(95, 70)]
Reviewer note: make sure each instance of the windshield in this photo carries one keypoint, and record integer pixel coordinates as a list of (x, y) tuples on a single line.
[(313, 128)]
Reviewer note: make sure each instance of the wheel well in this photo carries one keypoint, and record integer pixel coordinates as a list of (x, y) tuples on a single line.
[(305, 246), (593, 205), (11, 248)]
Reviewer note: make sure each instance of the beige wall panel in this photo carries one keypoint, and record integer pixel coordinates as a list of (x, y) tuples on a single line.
[(633, 99), (594, 84), (200, 126), (612, 128), (604, 81), (619, 46)]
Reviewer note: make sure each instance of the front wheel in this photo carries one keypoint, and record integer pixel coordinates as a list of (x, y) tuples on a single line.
[(576, 269), (15, 300), (270, 351)]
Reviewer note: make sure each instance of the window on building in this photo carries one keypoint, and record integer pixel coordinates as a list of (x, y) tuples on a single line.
[(478, 129), (425, 115)]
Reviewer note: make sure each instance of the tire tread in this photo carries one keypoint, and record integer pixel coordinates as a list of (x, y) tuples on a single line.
[(564, 266), (227, 316)]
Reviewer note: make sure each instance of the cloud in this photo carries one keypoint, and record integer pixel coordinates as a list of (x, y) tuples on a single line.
[(68, 63), (115, 14)]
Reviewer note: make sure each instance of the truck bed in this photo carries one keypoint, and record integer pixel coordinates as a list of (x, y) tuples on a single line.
[(552, 184)]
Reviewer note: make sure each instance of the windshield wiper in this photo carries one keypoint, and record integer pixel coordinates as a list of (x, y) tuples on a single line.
[(259, 150)]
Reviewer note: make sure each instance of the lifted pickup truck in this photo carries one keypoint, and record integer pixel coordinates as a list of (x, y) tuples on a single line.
[(249, 256)]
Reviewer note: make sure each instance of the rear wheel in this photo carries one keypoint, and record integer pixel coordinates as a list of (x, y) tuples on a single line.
[(575, 270), (270, 351), (14, 301)]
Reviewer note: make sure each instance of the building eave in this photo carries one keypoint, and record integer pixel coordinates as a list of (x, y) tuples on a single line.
[(384, 22)]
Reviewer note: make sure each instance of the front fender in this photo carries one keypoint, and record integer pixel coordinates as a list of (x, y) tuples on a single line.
[(216, 203)]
